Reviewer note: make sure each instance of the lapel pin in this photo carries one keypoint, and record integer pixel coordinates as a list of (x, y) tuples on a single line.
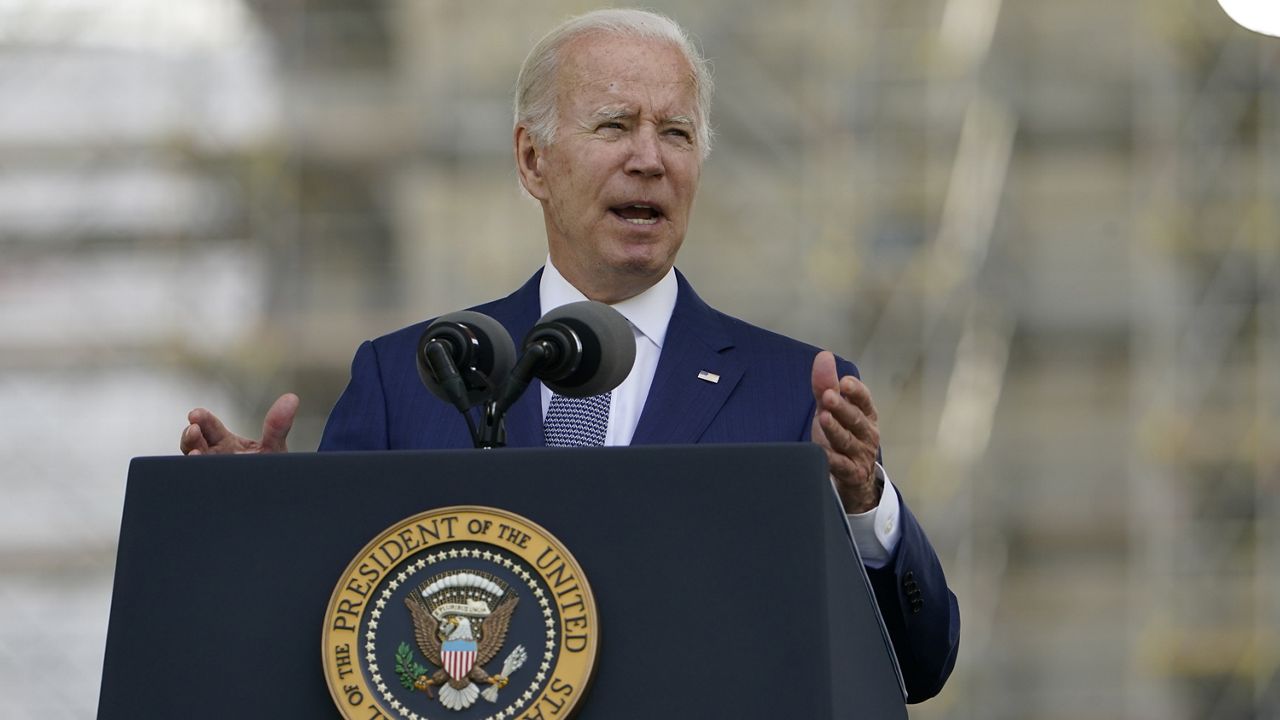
[(709, 376)]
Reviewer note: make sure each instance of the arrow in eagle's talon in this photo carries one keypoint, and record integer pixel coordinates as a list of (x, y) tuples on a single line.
[(423, 683)]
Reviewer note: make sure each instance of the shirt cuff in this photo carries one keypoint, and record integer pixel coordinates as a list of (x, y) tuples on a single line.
[(876, 531)]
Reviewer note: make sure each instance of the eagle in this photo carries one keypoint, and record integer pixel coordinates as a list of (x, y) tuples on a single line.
[(489, 634)]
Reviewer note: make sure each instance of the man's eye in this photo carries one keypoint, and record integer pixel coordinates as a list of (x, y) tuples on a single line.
[(611, 125), (679, 132)]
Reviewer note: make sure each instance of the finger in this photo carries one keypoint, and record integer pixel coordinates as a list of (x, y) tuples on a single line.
[(838, 437), (851, 417), (859, 455), (857, 393), (211, 428), (857, 488), (279, 420), (841, 467), (849, 476), (849, 459), (823, 375), (816, 433), (192, 441)]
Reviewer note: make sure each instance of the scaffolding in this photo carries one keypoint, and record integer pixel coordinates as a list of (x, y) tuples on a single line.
[(1047, 233), (1206, 606)]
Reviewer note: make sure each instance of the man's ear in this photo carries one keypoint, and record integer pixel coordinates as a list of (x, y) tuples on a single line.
[(529, 163)]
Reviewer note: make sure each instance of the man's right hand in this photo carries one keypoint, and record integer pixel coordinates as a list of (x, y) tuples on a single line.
[(206, 435)]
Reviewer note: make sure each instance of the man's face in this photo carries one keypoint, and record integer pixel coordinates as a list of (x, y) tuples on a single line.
[(617, 183)]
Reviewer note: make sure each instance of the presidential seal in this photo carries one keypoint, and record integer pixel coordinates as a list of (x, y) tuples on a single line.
[(464, 613)]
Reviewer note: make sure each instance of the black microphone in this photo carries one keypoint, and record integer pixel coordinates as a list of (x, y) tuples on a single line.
[(587, 348), (462, 356), (580, 349)]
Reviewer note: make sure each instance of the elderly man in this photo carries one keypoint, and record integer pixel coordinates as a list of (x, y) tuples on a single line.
[(610, 134)]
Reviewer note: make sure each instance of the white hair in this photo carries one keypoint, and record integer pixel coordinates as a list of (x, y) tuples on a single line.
[(535, 101)]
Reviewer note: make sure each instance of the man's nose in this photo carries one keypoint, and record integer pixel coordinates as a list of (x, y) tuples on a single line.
[(646, 153)]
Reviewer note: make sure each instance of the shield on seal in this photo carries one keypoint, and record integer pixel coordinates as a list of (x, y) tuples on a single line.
[(458, 657)]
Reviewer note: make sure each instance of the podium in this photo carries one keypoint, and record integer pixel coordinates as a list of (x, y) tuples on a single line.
[(725, 579)]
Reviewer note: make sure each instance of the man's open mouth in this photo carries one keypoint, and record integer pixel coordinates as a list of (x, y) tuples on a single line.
[(638, 213)]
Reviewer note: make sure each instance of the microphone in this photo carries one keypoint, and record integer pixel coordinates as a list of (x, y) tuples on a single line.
[(586, 348), (580, 349), (460, 356)]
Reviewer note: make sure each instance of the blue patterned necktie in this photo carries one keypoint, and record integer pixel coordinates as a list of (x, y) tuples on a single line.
[(576, 422)]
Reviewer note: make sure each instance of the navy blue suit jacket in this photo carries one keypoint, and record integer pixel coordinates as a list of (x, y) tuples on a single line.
[(763, 396)]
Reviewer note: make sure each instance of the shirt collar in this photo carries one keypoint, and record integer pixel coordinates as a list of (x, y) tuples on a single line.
[(649, 312)]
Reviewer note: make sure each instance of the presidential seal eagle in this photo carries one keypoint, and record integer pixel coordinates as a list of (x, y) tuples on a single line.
[(460, 622)]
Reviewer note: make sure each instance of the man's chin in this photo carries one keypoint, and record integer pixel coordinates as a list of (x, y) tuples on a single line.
[(630, 276), (642, 266), (642, 257)]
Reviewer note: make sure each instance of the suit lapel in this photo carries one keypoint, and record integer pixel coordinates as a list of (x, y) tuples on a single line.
[(681, 405), (518, 312)]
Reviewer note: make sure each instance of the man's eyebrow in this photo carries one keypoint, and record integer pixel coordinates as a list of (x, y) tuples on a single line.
[(618, 112), (613, 112)]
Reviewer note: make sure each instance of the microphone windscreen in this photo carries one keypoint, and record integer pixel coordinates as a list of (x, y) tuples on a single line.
[(608, 348), (479, 344)]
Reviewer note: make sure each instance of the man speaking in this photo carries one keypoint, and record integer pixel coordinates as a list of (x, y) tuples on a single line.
[(611, 129)]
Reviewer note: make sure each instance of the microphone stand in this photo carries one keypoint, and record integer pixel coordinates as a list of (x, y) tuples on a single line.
[(492, 431)]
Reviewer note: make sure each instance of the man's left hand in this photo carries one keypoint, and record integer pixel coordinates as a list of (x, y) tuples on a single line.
[(844, 424)]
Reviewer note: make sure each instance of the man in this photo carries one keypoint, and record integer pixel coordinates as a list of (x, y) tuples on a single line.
[(610, 134)]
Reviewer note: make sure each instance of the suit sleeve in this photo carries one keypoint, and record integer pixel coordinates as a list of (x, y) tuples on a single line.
[(359, 419), (919, 610)]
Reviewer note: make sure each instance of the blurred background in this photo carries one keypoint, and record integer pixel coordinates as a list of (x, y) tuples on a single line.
[(1047, 231)]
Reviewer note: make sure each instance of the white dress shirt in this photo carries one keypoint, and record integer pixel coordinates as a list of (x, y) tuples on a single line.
[(875, 531), (649, 314)]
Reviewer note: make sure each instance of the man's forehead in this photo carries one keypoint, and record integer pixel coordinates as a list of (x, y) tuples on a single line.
[(604, 64), (618, 99)]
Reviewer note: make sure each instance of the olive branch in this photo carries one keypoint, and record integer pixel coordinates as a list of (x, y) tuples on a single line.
[(407, 668)]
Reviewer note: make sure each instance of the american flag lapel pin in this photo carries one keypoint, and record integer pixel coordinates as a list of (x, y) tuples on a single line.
[(709, 376)]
